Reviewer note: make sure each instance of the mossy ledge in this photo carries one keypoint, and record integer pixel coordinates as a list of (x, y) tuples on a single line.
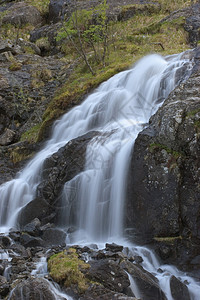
[(67, 269), (72, 93)]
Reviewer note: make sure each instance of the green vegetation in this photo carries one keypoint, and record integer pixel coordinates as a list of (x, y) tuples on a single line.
[(31, 135), (41, 5), (67, 269), (170, 239), (126, 41), (157, 146)]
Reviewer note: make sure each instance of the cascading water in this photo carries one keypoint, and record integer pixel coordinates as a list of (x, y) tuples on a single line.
[(118, 110)]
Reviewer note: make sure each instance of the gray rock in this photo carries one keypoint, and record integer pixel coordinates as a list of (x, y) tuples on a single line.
[(58, 9), (178, 289), (7, 137), (21, 13), (147, 284), (54, 236), (30, 241), (32, 288)]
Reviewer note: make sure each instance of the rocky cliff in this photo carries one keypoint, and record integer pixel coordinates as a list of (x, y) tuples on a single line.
[(163, 198)]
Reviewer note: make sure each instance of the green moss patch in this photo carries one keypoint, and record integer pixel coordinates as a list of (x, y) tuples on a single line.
[(67, 269), (156, 146)]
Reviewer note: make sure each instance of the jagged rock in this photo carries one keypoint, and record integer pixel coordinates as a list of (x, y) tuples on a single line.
[(178, 289), (21, 13), (32, 288)]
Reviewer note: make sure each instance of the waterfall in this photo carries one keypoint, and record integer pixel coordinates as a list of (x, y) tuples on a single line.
[(119, 109)]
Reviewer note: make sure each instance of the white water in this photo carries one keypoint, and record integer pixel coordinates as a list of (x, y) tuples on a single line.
[(119, 109)]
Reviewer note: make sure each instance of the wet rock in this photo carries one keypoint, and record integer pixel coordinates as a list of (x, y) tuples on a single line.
[(32, 288), (178, 289), (147, 284), (114, 247), (5, 241), (30, 241), (33, 227), (109, 274), (54, 236), (21, 13)]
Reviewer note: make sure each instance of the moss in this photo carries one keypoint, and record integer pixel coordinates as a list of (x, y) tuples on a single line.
[(43, 43), (72, 92), (66, 268), (15, 66), (192, 113), (170, 239), (156, 146), (19, 154), (41, 5), (31, 135)]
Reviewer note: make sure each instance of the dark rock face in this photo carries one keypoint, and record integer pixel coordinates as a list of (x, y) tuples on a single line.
[(163, 198)]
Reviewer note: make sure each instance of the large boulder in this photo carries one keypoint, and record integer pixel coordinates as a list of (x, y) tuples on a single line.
[(21, 13), (163, 197), (58, 9)]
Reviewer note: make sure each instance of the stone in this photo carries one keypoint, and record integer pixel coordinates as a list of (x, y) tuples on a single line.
[(21, 13), (33, 288), (114, 247), (147, 284), (7, 137), (30, 241), (178, 289), (33, 227), (54, 236), (108, 273), (58, 9)]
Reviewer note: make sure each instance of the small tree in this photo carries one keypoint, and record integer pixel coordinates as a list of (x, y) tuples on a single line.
[(87, 30)]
